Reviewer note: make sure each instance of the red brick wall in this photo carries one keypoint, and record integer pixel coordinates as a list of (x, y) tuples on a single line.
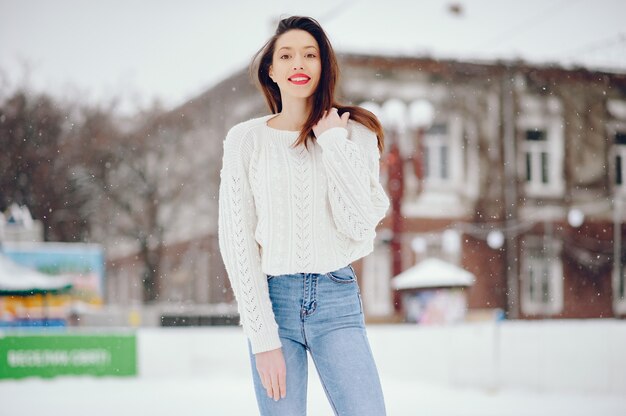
[(487, 265)]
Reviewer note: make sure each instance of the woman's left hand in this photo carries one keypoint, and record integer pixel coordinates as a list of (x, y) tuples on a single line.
[(329, 120)]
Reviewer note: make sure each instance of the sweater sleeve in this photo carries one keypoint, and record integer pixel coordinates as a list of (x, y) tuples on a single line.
[(240, 251), (357, 199)]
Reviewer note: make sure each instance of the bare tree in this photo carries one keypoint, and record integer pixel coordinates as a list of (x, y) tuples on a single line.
[(138, 182), (34, 170)]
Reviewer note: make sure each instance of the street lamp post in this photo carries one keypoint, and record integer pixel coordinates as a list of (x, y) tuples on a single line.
[(396, 192), (393, 117), (396, 117)]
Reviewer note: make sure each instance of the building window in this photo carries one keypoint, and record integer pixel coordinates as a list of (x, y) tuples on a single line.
[(537, 158), (542, 278), (539, 280), (621, 285), (620, 291), (541, 143), (443, 178), (436, 154), (620, 159)]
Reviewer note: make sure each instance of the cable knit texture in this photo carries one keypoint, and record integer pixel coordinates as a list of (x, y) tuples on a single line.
[(285, 210)]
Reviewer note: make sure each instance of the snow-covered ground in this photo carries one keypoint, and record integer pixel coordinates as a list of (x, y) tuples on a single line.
[(205, 371)]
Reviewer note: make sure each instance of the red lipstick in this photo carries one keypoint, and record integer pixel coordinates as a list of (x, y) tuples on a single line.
[(299, 79)]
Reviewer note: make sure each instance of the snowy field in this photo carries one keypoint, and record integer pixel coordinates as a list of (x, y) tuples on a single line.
[(564, 368)]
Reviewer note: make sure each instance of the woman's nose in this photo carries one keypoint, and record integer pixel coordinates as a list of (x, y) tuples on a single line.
[(297, 64)]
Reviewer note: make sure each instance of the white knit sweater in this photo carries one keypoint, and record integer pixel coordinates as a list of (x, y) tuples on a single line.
[(286, 210)]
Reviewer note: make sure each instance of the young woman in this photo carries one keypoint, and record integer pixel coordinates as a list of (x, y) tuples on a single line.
[(299, 200)]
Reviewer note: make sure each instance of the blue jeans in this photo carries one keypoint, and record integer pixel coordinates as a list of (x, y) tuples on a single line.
[(322, 313)]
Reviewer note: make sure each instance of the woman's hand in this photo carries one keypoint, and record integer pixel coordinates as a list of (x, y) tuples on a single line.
[(273, 372), (329, 120)]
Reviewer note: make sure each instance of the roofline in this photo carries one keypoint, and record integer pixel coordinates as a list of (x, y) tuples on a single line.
[(477, 67)]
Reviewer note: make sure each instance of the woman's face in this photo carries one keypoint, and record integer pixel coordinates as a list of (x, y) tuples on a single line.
[(296, 64)]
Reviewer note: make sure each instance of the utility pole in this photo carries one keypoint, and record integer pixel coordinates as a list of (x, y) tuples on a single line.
[(510, 194), (617, 245)]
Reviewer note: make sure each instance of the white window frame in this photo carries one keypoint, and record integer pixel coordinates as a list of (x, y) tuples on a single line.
[(535, 151), (620, 150), (619, 299), (435, 142), (542, 255), (617, 150), (618, 126), (436, 176), (542, 115)]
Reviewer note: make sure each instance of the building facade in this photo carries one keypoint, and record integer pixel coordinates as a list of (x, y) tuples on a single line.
[(514, 172), (516, 175)]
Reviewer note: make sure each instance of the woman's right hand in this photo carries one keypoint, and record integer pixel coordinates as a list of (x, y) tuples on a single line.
[(273, 372), (329, 120)]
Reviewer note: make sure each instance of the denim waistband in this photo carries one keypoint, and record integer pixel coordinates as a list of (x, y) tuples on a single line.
[(304, 273)]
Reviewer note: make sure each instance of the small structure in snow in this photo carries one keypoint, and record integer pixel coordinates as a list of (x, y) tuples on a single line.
[(431, 273), (432, 292)]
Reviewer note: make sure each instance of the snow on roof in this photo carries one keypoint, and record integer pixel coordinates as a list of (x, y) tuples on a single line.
[(432, 272), (566, 33), (15, 279)]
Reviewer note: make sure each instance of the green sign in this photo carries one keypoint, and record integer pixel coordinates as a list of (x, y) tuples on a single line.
[(76, 354)]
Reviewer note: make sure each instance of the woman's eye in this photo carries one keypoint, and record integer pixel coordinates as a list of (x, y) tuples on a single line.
[(311, 55), (284, 57)]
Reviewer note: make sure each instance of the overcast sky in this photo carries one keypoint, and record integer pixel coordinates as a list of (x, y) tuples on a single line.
[(146, 49)]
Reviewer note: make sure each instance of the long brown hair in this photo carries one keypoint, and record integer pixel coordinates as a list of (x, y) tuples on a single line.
[(324, 96)]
